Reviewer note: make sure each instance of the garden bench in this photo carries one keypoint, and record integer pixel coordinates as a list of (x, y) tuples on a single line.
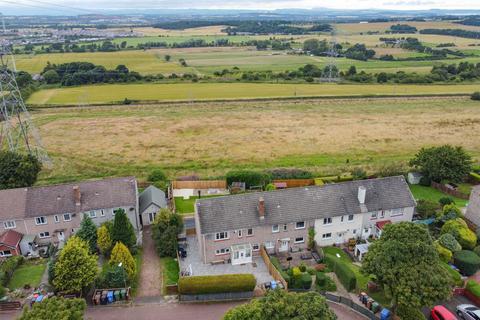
[(217, 262)]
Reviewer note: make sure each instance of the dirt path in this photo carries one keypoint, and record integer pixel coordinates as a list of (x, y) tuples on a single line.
[(150, 283)]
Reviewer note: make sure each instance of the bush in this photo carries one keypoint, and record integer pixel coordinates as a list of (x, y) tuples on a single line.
[(448, 241), (477, 250), (425, 181), (157, 175), (277, 265), (359, 174), (467, 261), (409, 313), (270, 187), (459, 229), (325, 283), (216, 284), (302, 267), (345, 275), (251, 178), (303, 281), (475, 176), (8, 267), (446, 200), (427, 208), (444, 254), (474, 287), (392, 169), (476, 96), (454, 275), (292, 173)]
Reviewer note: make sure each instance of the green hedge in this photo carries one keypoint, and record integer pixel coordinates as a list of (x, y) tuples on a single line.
[(303, 282), (251, 178), (345, 275), (409, 313), (454, 275), (467, 261), (474, 287), (216, 284), (8, 267)]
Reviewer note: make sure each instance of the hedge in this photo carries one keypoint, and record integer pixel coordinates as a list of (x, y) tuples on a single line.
[(454, 275), (345, 275), (304, 281), (467, 261), (409, 313), (475, 176), (8, 267), (474, 287), (216, 284), (251, 178)]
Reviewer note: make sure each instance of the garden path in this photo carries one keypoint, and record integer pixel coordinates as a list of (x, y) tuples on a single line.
[(150, 284)]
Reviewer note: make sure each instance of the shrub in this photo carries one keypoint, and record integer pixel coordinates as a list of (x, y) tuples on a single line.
[(467, 261), (444, 254), (459, 229), (270, 187), (345, 275), (289, 173), (165, 229), (475, 176), (427, 208), (454, 275), (474, 287), (8, 267), (448, 241), (157, 175), (277, 265), (321, 278), (311, 271), (476, 96), (121, 254), (216, 284), (425, 181), (302, 267), (392, 169), (251, 178), (477, 250), (359, 173), (409, 313), (305, 281), (446, 200)]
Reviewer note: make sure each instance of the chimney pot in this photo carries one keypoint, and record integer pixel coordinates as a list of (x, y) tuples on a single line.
[(261, 208), (362, 191), (77, 195)]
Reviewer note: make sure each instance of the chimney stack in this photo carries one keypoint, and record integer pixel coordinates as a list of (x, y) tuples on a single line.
[(77, 195), (361, 194), (261, 208)]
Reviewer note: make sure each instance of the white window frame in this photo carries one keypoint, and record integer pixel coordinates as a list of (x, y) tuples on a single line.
[(222, 251), (327, 236), (257, 246), (352, 217), (9, 224), (269, 245), (297, 227), (90, 214), (250, 232), (41, 223), (240, 233), (56, 218), (69, 217), (275, 228), (44, 236), (299, 241), (397, 212), (220, 236), (354, 231), (102, 213), (327, 221), (2, 253)]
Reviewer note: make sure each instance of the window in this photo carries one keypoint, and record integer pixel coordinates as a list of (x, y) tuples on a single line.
[(300, 225), (92, 214), (67, 217), (285, 227), (397, 212), (240, 233), (299, 240), (102, 213), (219, 252), (45, 234), (327, 236), (56, 218), (40, 220), (374, 215), (350, 217), (269, 245), (221, 235), (366, 230), (249, 232), (5, 253), (255, 247), (327, 221), (354, 231), (275, 228), (382, 213), (9, 224)]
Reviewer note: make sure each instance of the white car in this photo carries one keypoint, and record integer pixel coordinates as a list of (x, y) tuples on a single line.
[(468, 312)]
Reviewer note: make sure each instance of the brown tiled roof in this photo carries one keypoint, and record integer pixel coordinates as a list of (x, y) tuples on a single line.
[(57, 199), (11, 238)]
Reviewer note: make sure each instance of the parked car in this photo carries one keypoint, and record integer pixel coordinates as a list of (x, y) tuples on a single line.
[(442, 313), (468, 312)]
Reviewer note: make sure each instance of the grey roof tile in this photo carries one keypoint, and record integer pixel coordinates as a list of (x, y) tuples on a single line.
[(152, 195)]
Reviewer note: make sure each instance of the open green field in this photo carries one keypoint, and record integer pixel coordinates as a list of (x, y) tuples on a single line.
[(101, 94), (328, 137)]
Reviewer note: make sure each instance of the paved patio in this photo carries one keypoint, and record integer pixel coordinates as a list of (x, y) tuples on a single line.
[(194, 264)]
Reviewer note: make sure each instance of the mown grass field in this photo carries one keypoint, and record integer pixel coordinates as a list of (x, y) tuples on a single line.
[(326, 136), (101, 94)]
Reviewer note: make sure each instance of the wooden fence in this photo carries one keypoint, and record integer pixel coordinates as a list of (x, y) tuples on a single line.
[(10, 305), (295, 183), (450, 191), (272, 269), (200, 184)]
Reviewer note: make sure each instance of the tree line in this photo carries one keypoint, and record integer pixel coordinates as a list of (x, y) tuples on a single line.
[(453, 32)]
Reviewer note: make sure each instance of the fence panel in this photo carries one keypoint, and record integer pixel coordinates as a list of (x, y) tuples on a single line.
[(295, 183), (271, 268), (449, 191), (200, 184), (351, 304)]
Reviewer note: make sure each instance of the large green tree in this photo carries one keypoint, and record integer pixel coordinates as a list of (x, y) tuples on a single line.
[(88, 232), (122, 230), (282, 305), (55, 308), (121, 254), (18, 170), (75, 268), (166, 227), (443, 163), (406, 261)]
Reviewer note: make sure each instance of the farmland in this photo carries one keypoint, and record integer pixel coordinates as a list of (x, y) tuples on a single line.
[(325, 136)]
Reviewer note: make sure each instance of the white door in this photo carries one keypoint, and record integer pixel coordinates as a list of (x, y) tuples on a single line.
[(242, 256), (283, 246), (61, 236)]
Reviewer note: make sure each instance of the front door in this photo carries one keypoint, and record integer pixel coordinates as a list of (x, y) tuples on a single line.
[(283, 246), (61, 236)]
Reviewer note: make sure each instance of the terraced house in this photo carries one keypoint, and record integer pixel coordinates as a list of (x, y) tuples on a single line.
[(232, 228), (53, 213)]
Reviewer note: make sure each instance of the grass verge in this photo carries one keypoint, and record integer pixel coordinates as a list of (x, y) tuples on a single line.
[(170, 272)]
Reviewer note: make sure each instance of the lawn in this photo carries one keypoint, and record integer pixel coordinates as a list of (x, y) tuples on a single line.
[(186, 206), (30, 273), (429, 193), (170, 271)]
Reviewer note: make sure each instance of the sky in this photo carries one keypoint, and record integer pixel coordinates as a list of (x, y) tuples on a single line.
[(8, 5)]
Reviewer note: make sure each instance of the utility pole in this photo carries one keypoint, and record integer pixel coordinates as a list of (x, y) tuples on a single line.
[(330, 73)]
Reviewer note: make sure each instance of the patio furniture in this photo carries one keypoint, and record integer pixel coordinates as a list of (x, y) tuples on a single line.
[(306, 256), (316, 256), (182, 252)]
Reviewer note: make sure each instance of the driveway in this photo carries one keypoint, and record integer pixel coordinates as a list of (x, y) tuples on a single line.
[(150, 282)]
